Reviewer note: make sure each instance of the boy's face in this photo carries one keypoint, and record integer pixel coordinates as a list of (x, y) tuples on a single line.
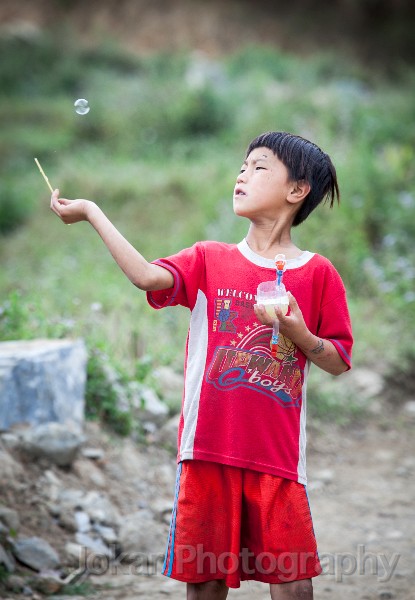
[(262, 187)]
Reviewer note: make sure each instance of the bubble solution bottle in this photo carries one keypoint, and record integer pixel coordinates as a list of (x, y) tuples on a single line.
[(273, 293)]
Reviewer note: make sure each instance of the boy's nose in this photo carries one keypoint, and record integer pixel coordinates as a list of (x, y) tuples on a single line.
[(241, 177)]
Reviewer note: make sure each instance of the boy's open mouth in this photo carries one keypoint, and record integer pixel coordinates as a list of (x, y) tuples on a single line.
[(239, 192)]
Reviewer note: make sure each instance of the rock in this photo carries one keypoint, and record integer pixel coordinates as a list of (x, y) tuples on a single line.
[(376, 407), (69, 499), (160, 506), (409, 408), (385, 455), (67, 520), (367, 384), (93, 453), (166, 436), (81, 573), (140, 533), (47, 583), (74, 554), (150, 429), (162, 509), (95, 504), (11, 471), (83, 524), (49, 486), (315, 485), (169, 385), (96, 545), (7, 560), (166, 477), (77, 520), (146, 405), (42, 381), (107, 533), (409, 463), (15, 583), (394, 534), (325, 475), (9, 440), (52, 441), (27, 591), (89, 473), (4, 532), (9, 517), (100, 509), (36, 553)]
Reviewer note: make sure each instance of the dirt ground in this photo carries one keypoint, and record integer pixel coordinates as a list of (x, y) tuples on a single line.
[(361, 490), (362, 495)]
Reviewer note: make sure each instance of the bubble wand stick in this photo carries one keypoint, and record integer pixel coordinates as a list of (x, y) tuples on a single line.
[(43, 175), (280, 263)]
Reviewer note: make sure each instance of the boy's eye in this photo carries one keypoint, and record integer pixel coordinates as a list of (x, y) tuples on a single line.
[(258, 168)]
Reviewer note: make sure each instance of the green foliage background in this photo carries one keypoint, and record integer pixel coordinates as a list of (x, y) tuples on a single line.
[(159, 152)]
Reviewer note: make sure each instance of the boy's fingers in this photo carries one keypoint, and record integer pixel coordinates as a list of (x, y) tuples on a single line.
[(53, 203), (291, 299), (292, 302), (54, 198), (280, 315), (57, 204), (260, 309), (55, 194), (262, 315)]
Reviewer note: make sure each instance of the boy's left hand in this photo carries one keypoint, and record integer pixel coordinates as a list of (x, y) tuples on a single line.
[(292, 325)]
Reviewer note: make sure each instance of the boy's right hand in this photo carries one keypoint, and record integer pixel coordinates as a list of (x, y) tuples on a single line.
[(69, 211)]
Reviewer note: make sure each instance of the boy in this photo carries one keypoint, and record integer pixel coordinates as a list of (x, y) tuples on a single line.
[(241, 509)]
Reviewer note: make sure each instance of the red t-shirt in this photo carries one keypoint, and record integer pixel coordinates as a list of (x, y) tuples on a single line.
[(241, 406)]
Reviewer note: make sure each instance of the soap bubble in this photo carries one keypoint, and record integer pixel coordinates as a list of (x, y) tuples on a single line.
[(81, 106)]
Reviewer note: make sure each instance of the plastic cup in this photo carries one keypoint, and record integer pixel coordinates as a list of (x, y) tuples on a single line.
[(271, 296)]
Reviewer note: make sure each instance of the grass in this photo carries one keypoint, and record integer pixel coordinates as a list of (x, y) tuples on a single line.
[(159, 151), (85, 588)]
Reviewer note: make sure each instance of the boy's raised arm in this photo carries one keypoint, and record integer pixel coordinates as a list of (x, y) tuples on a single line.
[(140, 272)]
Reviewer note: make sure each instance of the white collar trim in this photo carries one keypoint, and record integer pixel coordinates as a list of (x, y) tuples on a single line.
[(268, 263)]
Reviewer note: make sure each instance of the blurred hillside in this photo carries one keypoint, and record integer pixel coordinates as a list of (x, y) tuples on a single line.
[(379, 32)]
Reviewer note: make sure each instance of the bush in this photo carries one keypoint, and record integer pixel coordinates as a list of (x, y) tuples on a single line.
[(101, 397), (14, 209), (202, 112), (39, 64)]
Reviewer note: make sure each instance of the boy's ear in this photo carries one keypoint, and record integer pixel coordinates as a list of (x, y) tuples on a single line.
[(298, 191)]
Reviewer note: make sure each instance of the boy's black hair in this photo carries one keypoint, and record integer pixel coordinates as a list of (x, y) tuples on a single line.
[(304, 160)]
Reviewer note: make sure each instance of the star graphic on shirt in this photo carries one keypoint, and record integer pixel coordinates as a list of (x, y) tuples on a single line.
[(240, 335), (248, 328), (233, 343), (290, 359), (255, 325)]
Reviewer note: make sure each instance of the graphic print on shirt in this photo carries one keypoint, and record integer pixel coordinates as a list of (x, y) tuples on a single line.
[(224, 315), (248, 363)]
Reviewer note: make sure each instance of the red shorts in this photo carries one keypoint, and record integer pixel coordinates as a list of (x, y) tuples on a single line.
[(234, 524)]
